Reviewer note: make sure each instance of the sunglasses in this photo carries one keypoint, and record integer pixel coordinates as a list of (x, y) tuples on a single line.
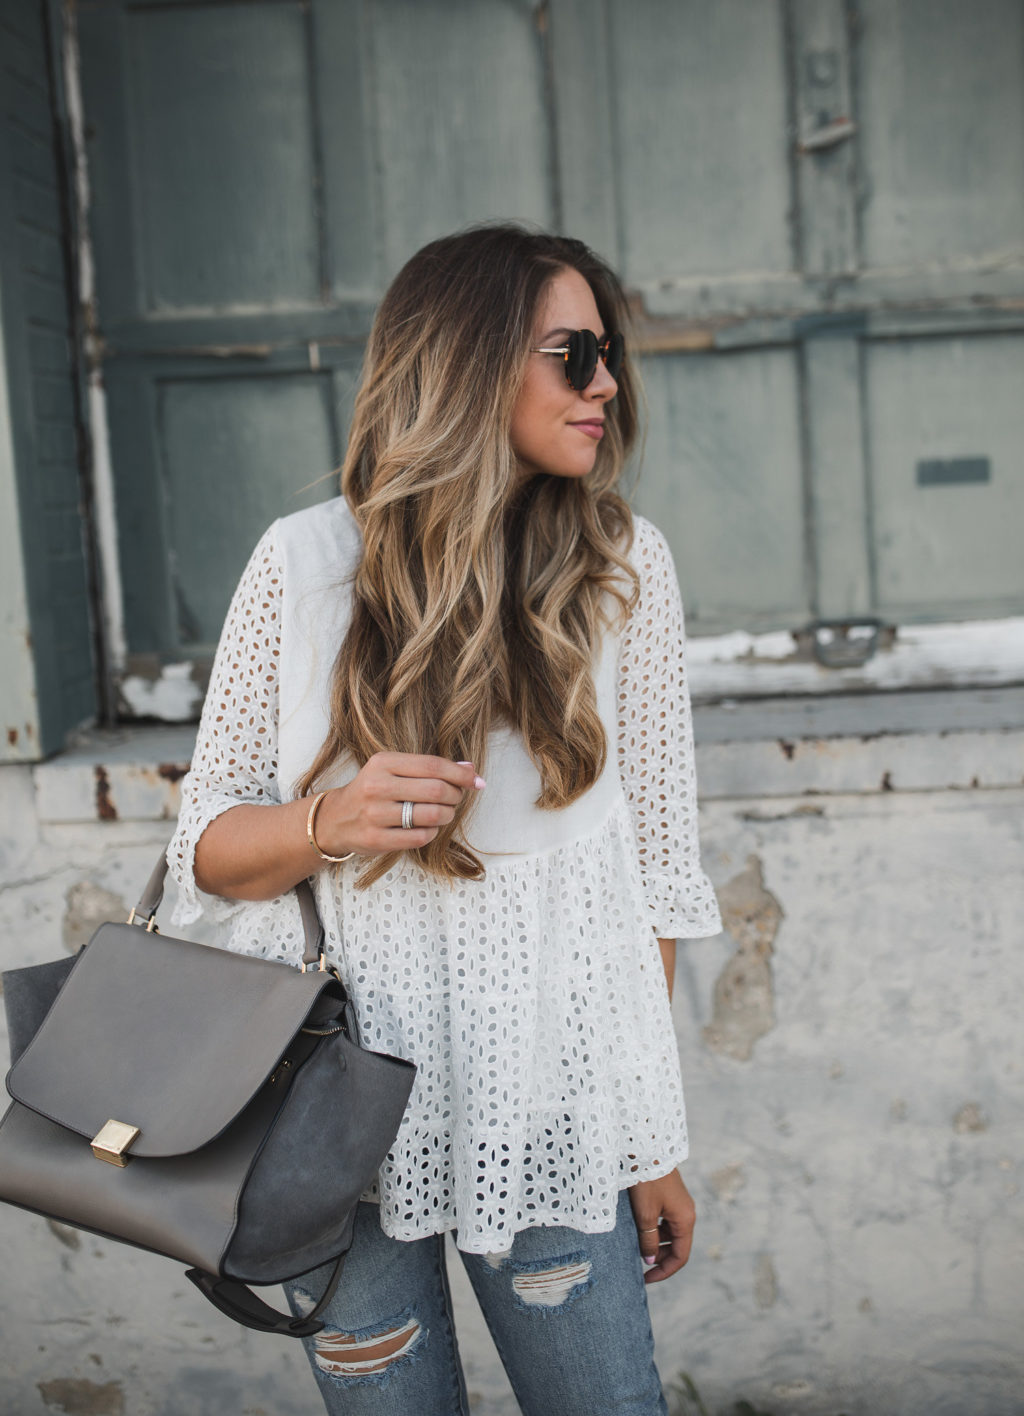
[(581, 353)]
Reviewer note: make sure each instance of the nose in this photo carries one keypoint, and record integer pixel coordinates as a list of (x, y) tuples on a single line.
[(602, 387)]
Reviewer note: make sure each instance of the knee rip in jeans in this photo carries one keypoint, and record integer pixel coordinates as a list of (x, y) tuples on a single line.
[(366, 1355), (551, 1283)]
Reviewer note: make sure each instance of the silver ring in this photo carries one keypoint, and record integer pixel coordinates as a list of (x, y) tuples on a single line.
[(407, 815)]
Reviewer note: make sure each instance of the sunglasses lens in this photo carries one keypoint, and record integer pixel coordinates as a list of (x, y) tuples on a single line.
[(581, 361), (612, 352)]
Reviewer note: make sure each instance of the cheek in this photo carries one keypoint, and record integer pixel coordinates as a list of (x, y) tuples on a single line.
[(535, 410)]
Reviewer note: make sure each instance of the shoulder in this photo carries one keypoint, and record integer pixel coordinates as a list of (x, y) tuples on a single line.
[(650, 553), (321, 537)]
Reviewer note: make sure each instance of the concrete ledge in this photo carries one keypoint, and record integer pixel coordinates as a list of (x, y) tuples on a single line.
[(877, 742), (910, 762), (129, 775), (770, 747)]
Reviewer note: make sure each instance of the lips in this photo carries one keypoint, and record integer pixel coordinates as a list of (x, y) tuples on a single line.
[(592, 427)]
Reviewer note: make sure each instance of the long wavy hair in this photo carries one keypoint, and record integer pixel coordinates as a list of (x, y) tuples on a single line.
[(479, 597)]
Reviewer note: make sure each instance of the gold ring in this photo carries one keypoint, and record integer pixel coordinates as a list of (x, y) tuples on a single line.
[(651, 1231)]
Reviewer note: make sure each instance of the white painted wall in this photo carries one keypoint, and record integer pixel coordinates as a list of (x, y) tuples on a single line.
[(19, 714), (855, 1082)]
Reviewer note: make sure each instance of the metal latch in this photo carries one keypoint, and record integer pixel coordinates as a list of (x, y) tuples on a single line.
[(844, 644), (112, 1141)]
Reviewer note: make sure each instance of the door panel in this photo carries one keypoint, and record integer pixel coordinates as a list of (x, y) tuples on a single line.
[(941, 116), (245, 451), (459, 117), (222, 157), (947, 429), (698, 93), (730, 501)]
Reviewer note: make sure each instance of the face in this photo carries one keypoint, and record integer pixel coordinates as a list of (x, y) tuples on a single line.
[(557, 429)]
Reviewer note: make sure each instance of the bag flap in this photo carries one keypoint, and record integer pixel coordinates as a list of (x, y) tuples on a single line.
[(162, 1034)]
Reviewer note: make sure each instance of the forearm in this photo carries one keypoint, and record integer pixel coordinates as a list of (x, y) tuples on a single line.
[(253, 852), (668, 962)]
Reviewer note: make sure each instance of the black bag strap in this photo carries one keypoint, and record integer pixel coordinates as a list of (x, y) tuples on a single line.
[(144, 912), (247, 1308)]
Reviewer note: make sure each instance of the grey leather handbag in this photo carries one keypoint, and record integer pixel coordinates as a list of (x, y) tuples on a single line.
[(201, 1104)]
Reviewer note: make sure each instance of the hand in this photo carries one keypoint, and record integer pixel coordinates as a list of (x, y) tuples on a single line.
[(366, 815), (664, 1214)]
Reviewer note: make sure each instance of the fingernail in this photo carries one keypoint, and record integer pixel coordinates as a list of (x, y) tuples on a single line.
[(463, 764), (648, 1260), (479, 782)]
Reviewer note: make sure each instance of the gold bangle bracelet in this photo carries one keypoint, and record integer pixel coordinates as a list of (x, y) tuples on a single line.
[(311, 838)]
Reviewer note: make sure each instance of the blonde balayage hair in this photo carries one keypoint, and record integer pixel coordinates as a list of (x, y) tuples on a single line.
[(478, 598)]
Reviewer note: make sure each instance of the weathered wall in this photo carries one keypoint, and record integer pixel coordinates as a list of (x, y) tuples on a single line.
[(851, 1046)]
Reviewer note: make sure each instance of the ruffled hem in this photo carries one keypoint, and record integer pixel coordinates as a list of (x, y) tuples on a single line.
[(588, 1221), (192, 904), (687, 911)]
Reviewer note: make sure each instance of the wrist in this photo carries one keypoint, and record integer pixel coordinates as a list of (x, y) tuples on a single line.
[(314, 818)]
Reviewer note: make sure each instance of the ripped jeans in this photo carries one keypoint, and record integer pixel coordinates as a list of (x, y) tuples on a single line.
[(567, 1311)]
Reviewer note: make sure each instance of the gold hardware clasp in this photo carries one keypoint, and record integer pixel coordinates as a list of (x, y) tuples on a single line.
[(112, 1141), (149, 920)]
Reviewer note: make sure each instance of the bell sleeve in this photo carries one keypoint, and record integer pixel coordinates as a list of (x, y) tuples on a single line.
[(655, 748), (235, 757)]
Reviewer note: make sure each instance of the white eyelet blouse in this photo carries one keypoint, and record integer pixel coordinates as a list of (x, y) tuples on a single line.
[(533, 1001)]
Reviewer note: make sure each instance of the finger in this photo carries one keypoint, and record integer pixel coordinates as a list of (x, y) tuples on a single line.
[(672, 1255), (663, 1269), (422, 790), (413, 764), (649, 1239), (424, 814), (681, 1236), (395, 839)]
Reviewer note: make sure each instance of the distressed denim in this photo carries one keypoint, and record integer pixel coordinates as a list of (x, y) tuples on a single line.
[(567, 1311)]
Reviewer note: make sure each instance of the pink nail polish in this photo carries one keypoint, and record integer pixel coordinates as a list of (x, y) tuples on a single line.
[(463, 764), (648, 1261), (479, 782)]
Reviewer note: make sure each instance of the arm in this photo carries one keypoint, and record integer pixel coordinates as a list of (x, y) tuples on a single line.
[(668, 962), (258, 852), (655, 748), (235, 839), (656, 762)]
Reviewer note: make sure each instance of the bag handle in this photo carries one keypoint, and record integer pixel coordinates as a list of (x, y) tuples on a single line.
[(244, 1306), (313, 955)]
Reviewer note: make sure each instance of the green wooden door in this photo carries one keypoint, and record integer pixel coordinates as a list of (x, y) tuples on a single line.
[(816, 204)]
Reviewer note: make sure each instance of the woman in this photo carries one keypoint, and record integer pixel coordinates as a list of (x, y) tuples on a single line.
[(479, 601)]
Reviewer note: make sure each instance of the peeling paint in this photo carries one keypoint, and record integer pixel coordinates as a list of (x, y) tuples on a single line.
[(105, 808), (970, 1118), (87, 906), (743, 1002), (170, 692), (804, 809), (741, 664), (80, 1397), (766, 1286), (171, 771)]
